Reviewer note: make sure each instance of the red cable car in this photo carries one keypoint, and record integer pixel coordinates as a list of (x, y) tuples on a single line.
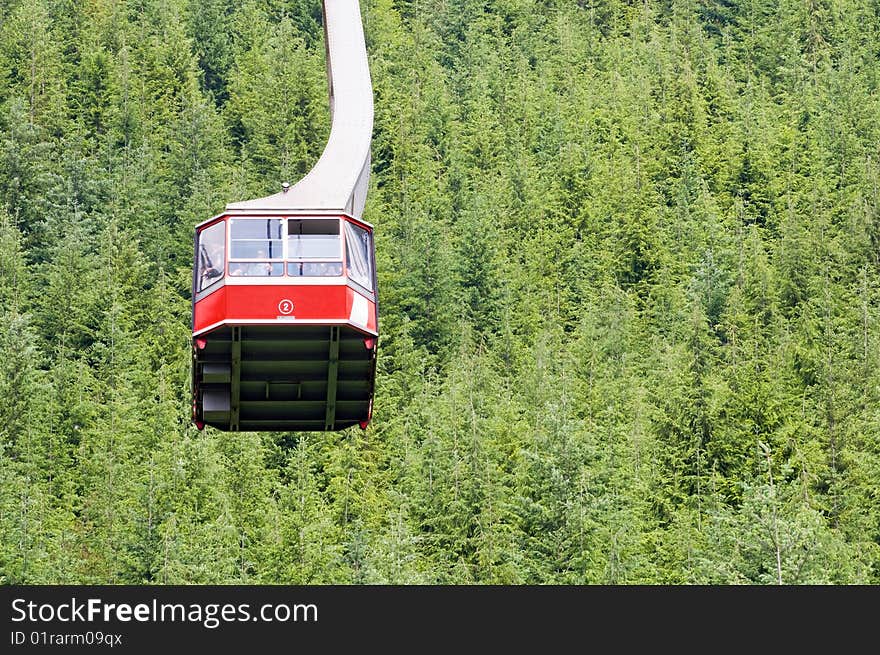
[(285, 306), (285, 322)]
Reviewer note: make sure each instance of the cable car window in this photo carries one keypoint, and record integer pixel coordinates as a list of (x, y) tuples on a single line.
[(252, 238), (358, 259), (254, 243), (313, 239), (263, 269), (210, 257)]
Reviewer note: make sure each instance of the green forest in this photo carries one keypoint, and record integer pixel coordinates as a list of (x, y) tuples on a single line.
[(628, 256)]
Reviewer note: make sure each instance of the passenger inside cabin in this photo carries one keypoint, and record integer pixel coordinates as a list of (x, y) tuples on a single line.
[(322, 269), (253, 268), (215, 261), (260, 268)]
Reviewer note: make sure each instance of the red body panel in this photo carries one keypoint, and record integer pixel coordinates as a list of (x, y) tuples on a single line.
[(283, 304)]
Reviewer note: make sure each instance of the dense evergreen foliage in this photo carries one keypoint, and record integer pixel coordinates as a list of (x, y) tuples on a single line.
[(629, 267)]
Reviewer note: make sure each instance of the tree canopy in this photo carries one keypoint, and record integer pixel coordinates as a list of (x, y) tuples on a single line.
[(629, 280)]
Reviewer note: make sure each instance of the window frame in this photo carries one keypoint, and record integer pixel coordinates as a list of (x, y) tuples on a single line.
[(247, 262), (285, 258), (313, 261)]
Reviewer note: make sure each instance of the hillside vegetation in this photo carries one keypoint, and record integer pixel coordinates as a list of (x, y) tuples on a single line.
[(629, 277)]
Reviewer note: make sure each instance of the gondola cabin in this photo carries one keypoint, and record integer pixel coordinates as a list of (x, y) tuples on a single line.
[(285, 307), (285, 321)]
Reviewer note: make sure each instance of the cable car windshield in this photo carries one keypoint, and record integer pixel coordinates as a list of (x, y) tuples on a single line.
[(300, 247), (314, 247)]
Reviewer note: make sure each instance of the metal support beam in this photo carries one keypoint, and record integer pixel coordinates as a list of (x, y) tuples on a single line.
[(339, 180), (235, 382), (332, 371)]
